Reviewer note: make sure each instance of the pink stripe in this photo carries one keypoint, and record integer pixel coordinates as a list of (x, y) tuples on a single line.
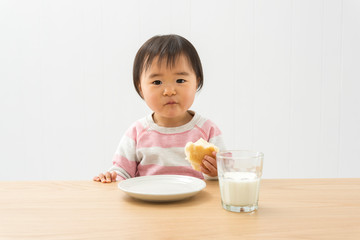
[(210, 129), (152, 169), (128, 166), (156, 139), (135, 130)]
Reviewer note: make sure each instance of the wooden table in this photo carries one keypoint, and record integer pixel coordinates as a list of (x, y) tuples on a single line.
[(288, 209)]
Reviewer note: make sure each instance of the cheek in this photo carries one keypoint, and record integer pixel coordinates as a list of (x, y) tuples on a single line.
[(190, 96), (151, 100)]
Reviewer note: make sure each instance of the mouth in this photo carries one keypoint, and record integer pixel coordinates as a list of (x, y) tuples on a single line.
[(171, 103)]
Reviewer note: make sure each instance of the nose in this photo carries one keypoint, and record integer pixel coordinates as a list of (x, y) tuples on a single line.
[(169, 91)]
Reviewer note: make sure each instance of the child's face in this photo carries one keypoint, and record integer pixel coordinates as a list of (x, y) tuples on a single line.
[(169, 92)]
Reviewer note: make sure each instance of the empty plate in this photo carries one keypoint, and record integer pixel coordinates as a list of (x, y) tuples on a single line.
[(162, 188)]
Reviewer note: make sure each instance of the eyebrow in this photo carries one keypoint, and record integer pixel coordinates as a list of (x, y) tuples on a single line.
[(154, 75), (182, 73)]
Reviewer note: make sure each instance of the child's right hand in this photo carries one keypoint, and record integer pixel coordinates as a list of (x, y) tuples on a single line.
[(106, 177)]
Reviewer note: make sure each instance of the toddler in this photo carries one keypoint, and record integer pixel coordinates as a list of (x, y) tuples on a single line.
[(167, 73)]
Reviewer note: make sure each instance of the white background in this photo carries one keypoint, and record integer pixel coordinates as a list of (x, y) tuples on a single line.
[(281, 77)]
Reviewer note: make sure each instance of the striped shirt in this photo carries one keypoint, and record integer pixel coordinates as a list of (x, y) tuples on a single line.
[(149, 149)]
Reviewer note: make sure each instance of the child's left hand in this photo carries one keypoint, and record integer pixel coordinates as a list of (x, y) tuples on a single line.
[(208, 165)]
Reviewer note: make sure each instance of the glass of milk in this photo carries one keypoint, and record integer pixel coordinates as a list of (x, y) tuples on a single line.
[(239, 173)]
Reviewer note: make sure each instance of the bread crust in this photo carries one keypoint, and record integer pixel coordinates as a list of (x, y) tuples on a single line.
[(195, 152)]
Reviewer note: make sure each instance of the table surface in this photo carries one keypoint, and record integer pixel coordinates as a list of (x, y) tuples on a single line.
[(288, 209)]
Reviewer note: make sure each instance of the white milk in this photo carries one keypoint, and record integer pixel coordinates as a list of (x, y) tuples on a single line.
[(239, 188)]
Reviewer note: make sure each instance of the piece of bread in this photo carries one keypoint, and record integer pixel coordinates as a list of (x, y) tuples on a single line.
[(195, 152)]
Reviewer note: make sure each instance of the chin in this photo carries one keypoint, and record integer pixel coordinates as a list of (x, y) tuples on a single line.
[(173, 115)]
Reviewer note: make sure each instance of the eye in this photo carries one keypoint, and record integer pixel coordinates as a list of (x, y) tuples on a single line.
[(157, 82), (180, 80)]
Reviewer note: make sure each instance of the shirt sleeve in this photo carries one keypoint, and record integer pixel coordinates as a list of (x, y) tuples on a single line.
[(125, 160), (215, 137)]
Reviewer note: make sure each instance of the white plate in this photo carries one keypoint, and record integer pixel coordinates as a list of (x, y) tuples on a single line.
[(162, 188)]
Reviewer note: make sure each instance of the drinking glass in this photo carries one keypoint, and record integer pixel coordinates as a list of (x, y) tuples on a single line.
[(239, 173)]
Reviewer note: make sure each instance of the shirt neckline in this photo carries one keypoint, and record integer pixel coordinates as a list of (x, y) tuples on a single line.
[(171, 130)]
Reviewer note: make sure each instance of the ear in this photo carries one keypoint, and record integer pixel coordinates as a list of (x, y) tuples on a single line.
[(140, 91)]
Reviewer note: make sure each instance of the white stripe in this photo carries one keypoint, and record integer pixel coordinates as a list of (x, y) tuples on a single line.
[(163, 156), (126, 148), (120, 171), (201, 122), (218, 141)]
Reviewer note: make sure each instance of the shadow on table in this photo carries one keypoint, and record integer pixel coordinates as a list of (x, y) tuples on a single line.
[(191, 201)]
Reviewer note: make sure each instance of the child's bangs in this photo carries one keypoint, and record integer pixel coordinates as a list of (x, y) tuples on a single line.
[(169, 57)]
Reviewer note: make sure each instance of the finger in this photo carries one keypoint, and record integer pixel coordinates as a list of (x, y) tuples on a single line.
[(107, 177), (102, 177), (96, 179), (211, 160), (208, 172), (113, 176), (211, 168), (204, 170)]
